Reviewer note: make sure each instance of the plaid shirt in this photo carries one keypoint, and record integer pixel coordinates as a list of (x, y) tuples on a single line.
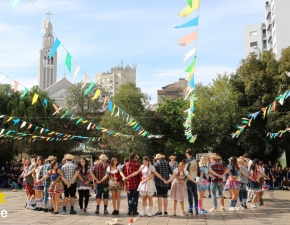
[(100, 171), (174, 165), (69, 170), (133, 182), (164, 169), (219, 169), (44, 170)]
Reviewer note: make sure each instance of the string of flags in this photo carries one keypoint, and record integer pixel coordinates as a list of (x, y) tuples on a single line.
[(265, 111), (192, 5)]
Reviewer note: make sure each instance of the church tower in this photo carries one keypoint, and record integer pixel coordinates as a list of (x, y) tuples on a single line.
[(47, 67)]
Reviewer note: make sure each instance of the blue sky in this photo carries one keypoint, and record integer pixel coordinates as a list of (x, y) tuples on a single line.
[(99, 34)]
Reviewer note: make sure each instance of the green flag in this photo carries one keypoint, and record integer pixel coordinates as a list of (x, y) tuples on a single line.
[(189, 3), (68, 62), (89, 89), (189, 69)]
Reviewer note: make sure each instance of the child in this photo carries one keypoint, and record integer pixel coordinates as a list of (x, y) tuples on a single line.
[(179, 189), (285, 184)]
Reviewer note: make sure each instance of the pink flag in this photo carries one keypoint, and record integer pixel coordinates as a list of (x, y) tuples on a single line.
[(15, 86), (188, 39), (85, 81)]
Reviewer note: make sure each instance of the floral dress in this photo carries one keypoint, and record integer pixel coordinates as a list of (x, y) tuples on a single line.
[(179, 190), (203, 182), (58, 188), (81, 185), (115, 175)]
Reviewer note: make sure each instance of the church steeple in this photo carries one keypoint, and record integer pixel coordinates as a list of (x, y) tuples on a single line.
[(47, 67)]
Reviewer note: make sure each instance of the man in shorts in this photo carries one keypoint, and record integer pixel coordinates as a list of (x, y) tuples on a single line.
[(103, 187), (164, 169), (69, 170)]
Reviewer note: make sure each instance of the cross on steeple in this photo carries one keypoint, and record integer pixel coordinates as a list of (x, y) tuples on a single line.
[(49, 14)]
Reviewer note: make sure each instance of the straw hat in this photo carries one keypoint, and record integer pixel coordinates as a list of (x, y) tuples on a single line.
[(159, 156), (88, 159), (50, 158), (241, 160), (216, 157), (172, 157), (103, 157), (69, 157)]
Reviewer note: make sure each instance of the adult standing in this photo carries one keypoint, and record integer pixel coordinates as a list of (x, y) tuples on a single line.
[(46, 183), (173, 164), (29, 183), (191, 166), (216, 182), (163, 168), (249, 163), (69, 170), (132, 184), (100, 171)]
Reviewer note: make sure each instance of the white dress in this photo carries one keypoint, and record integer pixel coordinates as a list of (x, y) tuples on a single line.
[(148, 187)]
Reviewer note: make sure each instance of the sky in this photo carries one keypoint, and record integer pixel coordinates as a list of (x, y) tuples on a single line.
[(99, 34)]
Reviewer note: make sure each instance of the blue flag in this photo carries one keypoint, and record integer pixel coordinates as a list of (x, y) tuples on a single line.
[(54, 48), (191, 23)]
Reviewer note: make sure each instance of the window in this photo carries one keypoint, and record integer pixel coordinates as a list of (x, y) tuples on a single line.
[(253, 33), (264, 44), (180, 93), (253, 44), (264, 33)]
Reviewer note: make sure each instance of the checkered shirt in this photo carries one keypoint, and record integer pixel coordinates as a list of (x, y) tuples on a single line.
[(100, 171), (164, 169), (219, 169), (44, 170), (69, 170), (133, 182), (174, 165)]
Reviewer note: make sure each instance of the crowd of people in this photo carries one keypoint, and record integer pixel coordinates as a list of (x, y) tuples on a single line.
[(47, 181)]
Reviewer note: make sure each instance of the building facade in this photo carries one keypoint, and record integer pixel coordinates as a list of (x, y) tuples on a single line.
[(274, 34), (172, 91), (47, 67), (118, 75)]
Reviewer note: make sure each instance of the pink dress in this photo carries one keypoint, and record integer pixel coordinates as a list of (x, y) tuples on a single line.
[(179, 190)]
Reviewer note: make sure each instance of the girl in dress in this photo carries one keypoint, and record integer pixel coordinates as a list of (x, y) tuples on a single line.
[(116, 184), (56, 187), (147, 186), (179, 189), (38, 186), (83, 184), (233, 183)]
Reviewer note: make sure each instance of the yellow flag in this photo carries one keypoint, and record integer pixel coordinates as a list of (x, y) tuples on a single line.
[(191, 74), (10, 118), (35, 97), (98, 92), (187, 10), (47, 139)]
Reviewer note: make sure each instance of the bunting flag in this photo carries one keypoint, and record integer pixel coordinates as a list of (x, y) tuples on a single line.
[(68, 62), (56, 108), (191, 82), (35, 97), (98, 92), (191, 66), (12, 4), (44, 25), (189, 54), (77, 71), (15, 86), (44, 102), (105, 101), (190, 8), (186, 40), (189, 2), (24, 93), (110, 106), (54, 48), (191, 23), (2, 76), (85, 81), (89, 89)]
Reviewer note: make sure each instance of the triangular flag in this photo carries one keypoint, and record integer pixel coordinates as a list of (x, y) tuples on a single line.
[(189, 2), (85, 81), (44, 25), (63, 115), (35, 97), (54, 48), (9, 119), (2, 76), (23, 124), (96, 94), (12, 4), (68, 62), (56, 108), (105, 101), (30, 125), (191, 23), (273, 106), (110, 106), (15, 86), (44, 103), (191, 66), (191, 82), (24, 93), (89, 89), (189, 54), (189, 9), (188, 39), (77, 71)]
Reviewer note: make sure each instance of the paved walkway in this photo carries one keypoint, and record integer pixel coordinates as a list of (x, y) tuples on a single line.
[(275, 211)]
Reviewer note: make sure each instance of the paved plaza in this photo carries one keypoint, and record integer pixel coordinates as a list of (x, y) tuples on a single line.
[(275, 211)]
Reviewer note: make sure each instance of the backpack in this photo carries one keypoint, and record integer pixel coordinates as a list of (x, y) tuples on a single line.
[(192, 168)]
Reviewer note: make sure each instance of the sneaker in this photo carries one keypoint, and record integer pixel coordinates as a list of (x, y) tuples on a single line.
[(129, 214), (204, 210), (63, 212), (106, 212), (30, 207), (236, 208), (158, 214), (40, 209), (213, 210), (149, 214), (72, 212), (196, 211), (81, 212), (253, 206), (183, 213), (201, 212), (174, 213), (142, 214), (209, 196), (249, 200), (55, 212), (85, 211), (190, 212), (35, 209), (45, 210), (114, 212), (135, 214), (261, 203), (243, 206), (257, 204), (165, 213), (51, 210), (232, 208)]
